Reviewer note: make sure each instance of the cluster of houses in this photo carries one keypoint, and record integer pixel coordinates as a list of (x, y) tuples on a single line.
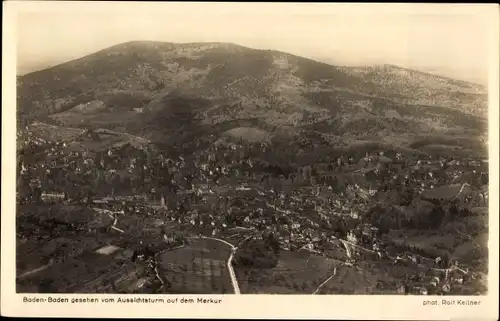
[(307, 208)]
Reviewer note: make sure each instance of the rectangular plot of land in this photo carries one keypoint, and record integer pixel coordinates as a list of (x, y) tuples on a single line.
[(210, 267), (199, 267), (107, 249), (196, 265), (193, 283)]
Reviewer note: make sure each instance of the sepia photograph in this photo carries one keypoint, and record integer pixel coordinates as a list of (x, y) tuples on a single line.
[(240, 149)]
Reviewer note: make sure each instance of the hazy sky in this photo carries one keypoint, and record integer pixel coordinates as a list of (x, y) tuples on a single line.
[(451, 40)]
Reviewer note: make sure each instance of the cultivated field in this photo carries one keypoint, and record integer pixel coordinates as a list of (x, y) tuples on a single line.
[(296, 273)]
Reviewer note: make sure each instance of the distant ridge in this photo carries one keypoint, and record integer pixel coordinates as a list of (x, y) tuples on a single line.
[(148, 87), (230, 44)]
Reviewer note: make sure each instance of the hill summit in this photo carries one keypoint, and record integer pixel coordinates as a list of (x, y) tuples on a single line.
[(142, 87)]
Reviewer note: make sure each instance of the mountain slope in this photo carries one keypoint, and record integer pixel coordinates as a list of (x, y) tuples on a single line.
[(425, 89), (140, 86)]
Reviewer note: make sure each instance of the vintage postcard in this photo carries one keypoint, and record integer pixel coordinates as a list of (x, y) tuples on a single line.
[(241, 160)]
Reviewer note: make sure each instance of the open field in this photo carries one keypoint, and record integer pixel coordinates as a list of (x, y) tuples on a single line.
[(296, 273), (199, 267), (88, 272)]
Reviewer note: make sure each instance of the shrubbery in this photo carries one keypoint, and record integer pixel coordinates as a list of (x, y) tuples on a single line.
[(125, 100), (259, 253)]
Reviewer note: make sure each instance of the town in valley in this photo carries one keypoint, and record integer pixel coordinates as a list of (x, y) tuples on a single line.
[(141, 169)]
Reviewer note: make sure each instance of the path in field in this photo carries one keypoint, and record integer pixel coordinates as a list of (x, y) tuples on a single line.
[(112, 215), (347, 248), (34, 271), (326, 281), (234, 280), (461, 190)]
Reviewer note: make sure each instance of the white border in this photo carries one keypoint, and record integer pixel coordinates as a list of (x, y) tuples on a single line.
[(246, 306)]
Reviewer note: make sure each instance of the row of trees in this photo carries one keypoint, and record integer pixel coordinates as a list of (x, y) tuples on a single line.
[(419, 215)]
